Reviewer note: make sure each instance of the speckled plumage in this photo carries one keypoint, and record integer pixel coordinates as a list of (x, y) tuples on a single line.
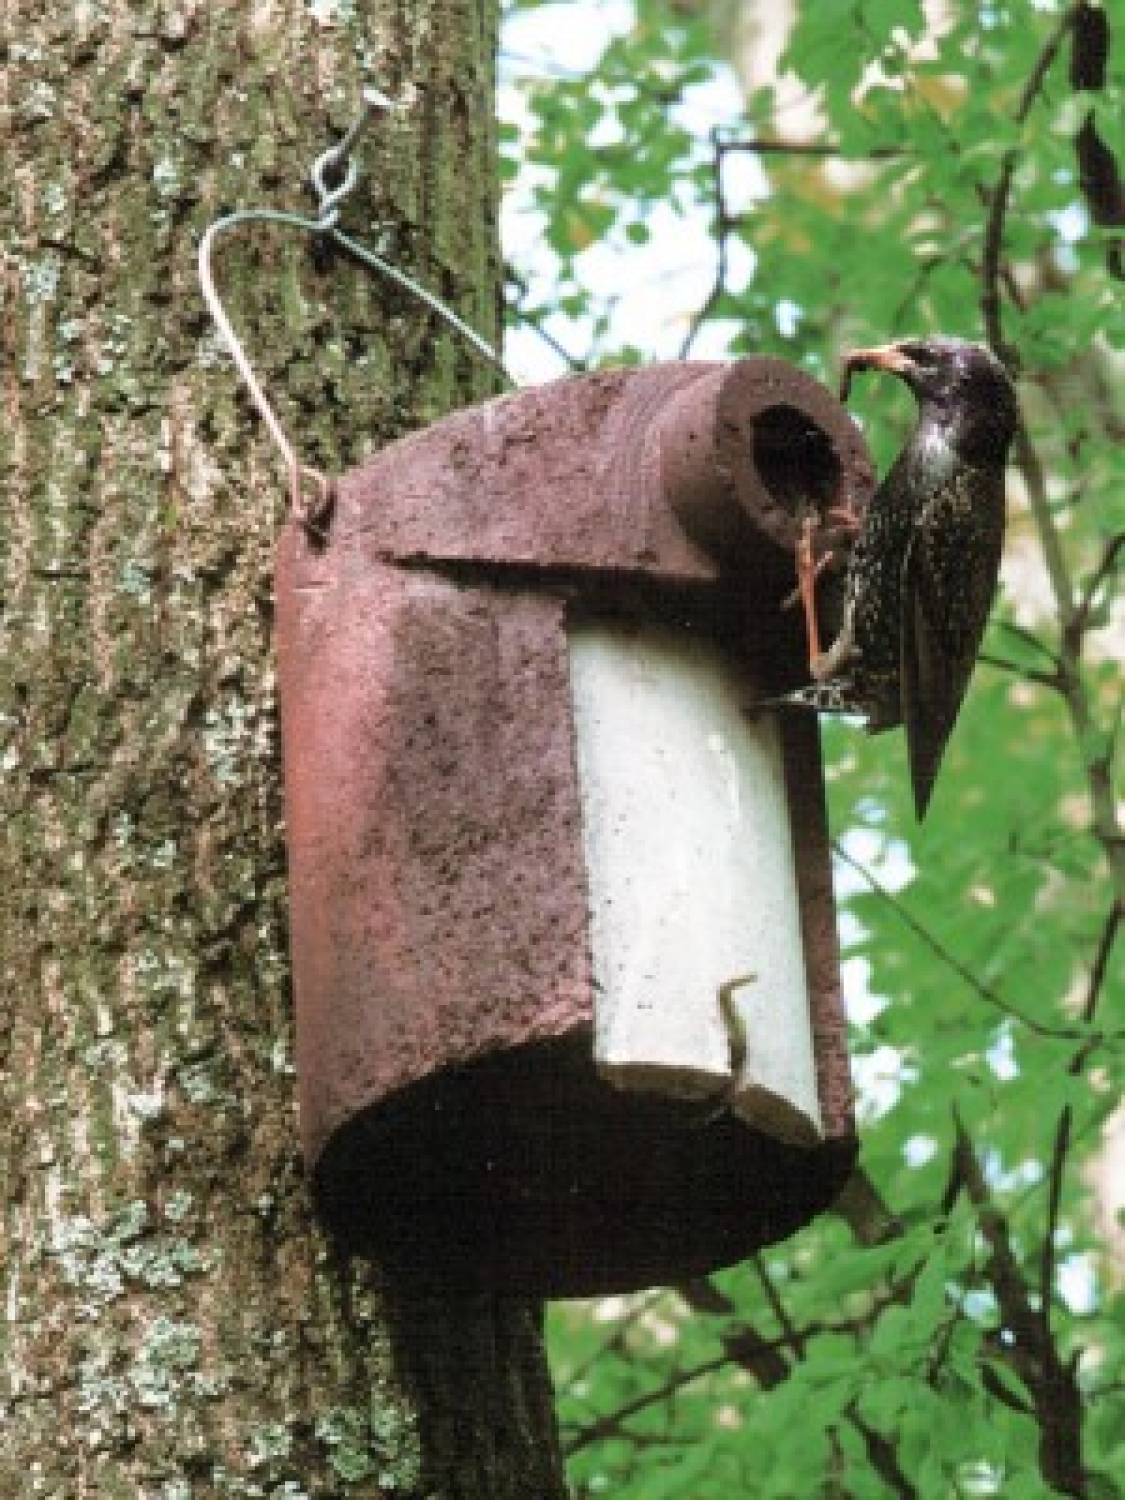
[(923, 569)]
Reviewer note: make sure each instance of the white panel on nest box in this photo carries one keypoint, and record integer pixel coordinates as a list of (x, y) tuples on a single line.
[(692, 886)]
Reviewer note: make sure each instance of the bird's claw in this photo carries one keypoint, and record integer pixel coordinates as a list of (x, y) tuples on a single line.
[(821, 666), (842, 652), (846, 517)]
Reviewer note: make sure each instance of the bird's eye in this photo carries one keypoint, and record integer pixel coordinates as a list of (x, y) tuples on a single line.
[(920, 354)]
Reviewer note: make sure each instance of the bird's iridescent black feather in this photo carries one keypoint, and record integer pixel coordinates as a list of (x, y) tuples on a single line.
[(923, 570)]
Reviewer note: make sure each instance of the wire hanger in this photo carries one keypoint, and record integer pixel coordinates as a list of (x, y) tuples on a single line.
[(310, 490)]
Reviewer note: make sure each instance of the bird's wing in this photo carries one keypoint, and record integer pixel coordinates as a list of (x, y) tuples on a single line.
[(949, 577)]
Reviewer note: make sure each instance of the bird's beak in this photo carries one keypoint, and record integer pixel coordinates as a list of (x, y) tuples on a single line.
[(882, 357)]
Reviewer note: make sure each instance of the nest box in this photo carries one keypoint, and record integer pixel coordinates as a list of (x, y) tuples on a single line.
[(563, 936)]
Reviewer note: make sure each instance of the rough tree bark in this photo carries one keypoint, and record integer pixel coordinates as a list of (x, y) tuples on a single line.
[(175, 1324)]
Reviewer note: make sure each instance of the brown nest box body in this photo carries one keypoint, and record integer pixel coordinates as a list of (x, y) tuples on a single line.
[(455, 939)]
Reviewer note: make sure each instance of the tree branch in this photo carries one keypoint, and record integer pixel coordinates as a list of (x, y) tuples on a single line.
[(1053, 1384), (762, 1358), (1001, 194), (1065, 1126)]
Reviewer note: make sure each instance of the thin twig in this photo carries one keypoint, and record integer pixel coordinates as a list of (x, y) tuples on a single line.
[(1025, 674), (535, 321), (767, 146), (1049, 538), (794, 1338), (611, 1423), (746, 1348), (1106, 823), (725, 221), (1100, 967), (615, 1342), (1029, 638), (951, 961), (883, 1457), (1107, 566), (722, 237), (1055, 1175)]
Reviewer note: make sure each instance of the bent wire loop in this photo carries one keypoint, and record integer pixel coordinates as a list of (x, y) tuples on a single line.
[(310, 509)]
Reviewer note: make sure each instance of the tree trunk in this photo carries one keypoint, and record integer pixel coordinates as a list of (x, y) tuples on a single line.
[(176, 1325)]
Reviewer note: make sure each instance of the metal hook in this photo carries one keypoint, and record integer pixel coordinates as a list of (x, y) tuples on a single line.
[(311, 511), (374, 102)]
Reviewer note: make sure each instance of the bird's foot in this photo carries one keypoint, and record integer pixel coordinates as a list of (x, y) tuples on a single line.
[(843, 650), (846, 518), (835, 697), (809, 569), (829, 663)]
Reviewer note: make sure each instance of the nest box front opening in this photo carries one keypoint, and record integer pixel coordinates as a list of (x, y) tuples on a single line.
[(556, 889), (795, 458)]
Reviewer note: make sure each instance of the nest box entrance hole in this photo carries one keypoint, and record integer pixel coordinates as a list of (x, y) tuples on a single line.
[(795, 458)]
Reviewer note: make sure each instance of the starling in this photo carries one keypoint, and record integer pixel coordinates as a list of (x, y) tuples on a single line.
[(923, 568)]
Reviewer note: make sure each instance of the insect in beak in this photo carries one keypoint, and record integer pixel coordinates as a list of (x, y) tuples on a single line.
[(881, 357)]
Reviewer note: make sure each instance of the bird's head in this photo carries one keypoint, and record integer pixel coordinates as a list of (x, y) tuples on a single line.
[(958, 384)]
